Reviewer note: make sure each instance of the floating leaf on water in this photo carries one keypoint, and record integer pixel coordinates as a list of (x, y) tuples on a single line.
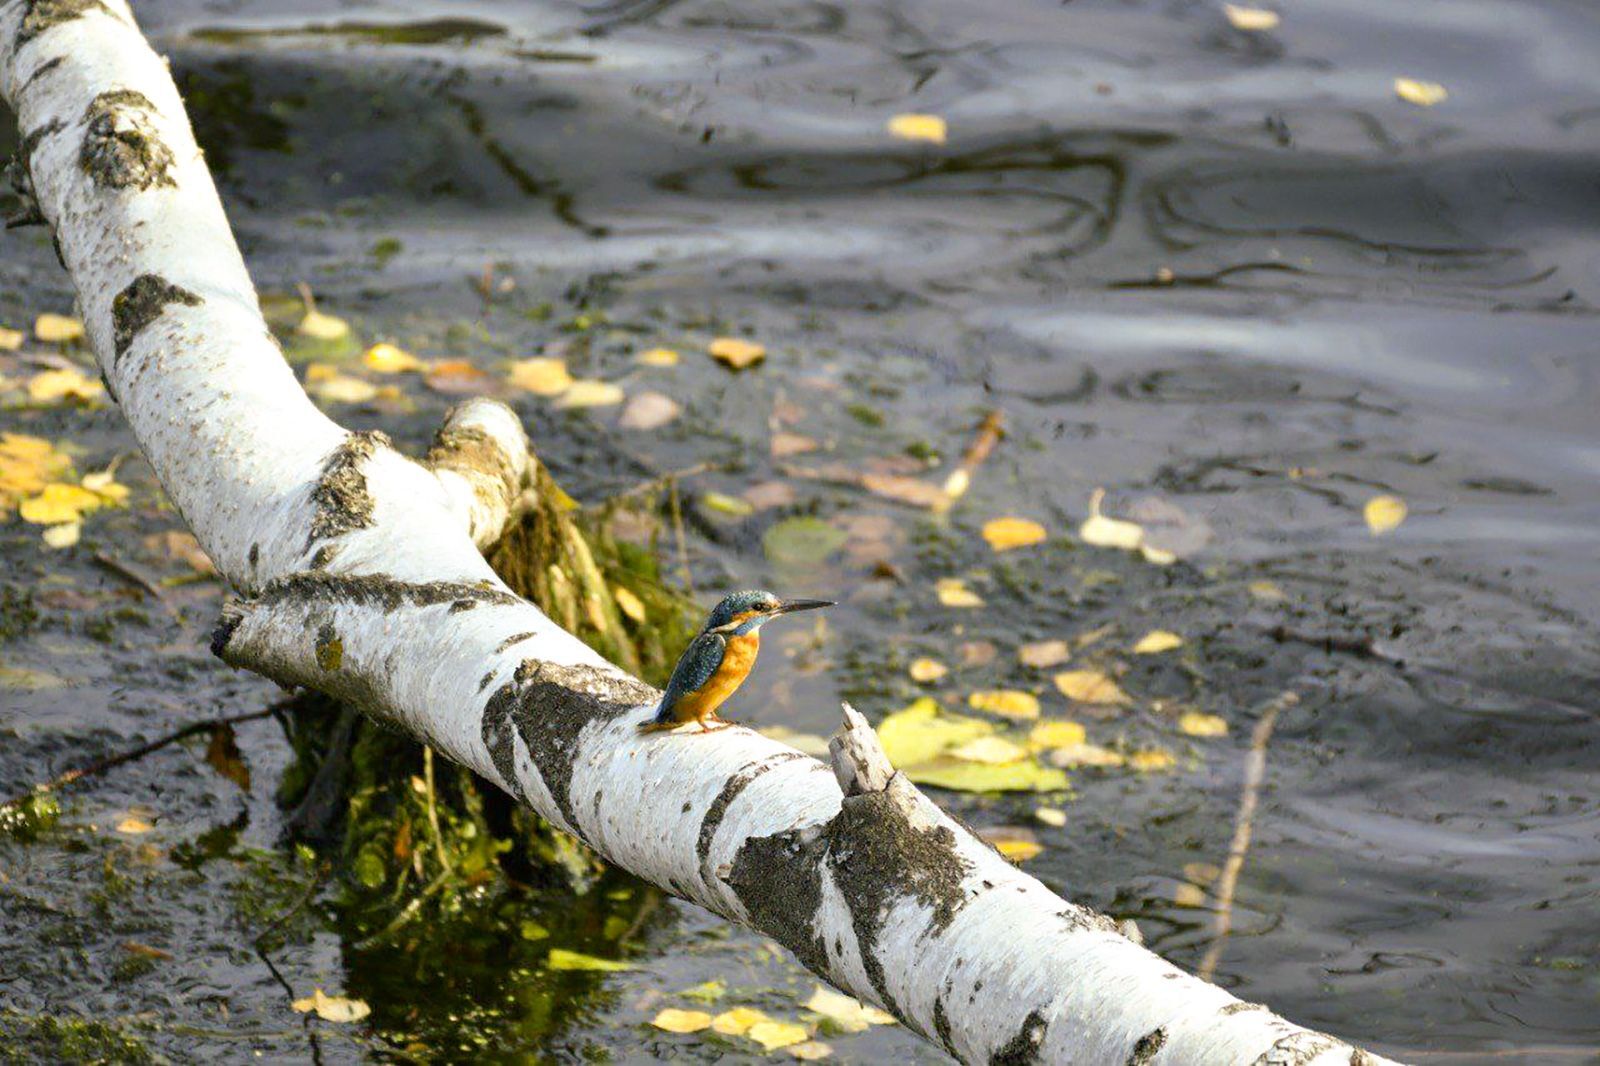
[(1027, 776), (459, 377), (1047, 735), (736, 353), (10, 339), (27, 465), (1201, 873), (809, 1051), (1054, 817), (673, 1020), (1267, 592), (1103, 532), (953, 592), (629, 604), (563, 959), (103, 483), (1251, 19), (737, 1021), (707, 991), (49, 386), (924, 671), (57, 329), (1420, 93), (133, 825), (62, 536), (1074, 756), (1157, 556), (802, 541), (649, 410), (902, 489), (997, 751), (58, 503), (977, 652), (1196, 724), (1187, 895), (918, 127), (321, 327), (846, 1014), (532, 930), (541, 376), (1044, 654), (957, 484), (1151, 760), (1384, 513), (332, 1008), (1007, 702), (1089, 686), (786, 444), (590, 392), (922, 731), (133, 947), (770, 494), (734, 505), (1157, 641), (1004, 534), (658, 357), (386, 358), (775, 1035), (180, 545), (1014, 842), (342, 388), (225, 758)]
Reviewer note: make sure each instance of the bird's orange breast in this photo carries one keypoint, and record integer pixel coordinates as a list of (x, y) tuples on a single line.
[(737, 660)]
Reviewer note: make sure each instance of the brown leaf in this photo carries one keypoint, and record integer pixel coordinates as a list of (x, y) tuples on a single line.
[(910, 490), (224, 756), (458, 377), (786, 444)]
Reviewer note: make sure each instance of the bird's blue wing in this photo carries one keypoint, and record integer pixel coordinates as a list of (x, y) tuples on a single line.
[(695, 667)]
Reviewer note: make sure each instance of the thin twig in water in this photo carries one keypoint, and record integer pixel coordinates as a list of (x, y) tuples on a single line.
[(656, 484), (256, 942), (433, 810), (112, 761), (1255, 768), (134, 577), (677, 529)]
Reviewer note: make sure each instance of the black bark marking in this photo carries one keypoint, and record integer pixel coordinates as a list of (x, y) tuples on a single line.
[(341, 500), (469, 450), (730, 792), (941, 1027), (1241, 1007), (120, 147), (141, 303), (40, 71), (548, 706), (512, 641), (329, 649), (19, 175), (778, 879), (1022, 1049), (45, 14), (1296, 1049), (377, 590), (254, 557), (1149, 1045)]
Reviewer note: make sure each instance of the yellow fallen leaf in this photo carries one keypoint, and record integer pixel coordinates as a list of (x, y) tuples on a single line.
[(706, 991), (809, 1051), (542, 376), (1027, 776), (63, 536), (1054, 817), (1202, 873), (57, 329), (386, 358), (1103, 532), (133, 825), (458, 377), (563, 959), (658, 357), (1421, 93), (846, 1014), (1089, 686), (1004, 534), (1251, 18), (48, 386), (957, 484), (342, 388), (1267, 592), (953, 592), (785, 444), (915, 127), (1072, 756), (1044, 653), (737, 1021), (10, 339), (1196, 724), (775, 1035), (921, 731), (736, 353), (1157, 641), (1007, 702), (1187, 895), (721, 501), (1150, 760), (332, 1008), (589, 392), (673, 1020), (924, 671), (103, 483), (1047, 735), (1157, 556), (1018, 850), (1384, 513), (629, 604), (997, 751), (59, 503)]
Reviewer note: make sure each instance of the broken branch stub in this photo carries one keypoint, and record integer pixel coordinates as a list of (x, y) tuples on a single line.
[(363, 578)]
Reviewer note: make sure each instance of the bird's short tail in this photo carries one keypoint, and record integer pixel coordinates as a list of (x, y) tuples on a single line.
[(663, 719)]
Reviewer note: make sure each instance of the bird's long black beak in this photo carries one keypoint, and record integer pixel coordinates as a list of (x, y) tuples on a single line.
[(789, 606)]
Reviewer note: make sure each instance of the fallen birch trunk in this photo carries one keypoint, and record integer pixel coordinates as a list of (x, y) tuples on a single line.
[(362, 576)]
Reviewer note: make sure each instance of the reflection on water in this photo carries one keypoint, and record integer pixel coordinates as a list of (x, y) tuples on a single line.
[(1227, 270)]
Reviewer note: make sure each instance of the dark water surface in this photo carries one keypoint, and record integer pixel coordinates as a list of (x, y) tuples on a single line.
[(1228, 272)]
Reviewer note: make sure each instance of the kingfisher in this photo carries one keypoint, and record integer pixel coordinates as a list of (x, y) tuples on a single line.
[(719, 658)]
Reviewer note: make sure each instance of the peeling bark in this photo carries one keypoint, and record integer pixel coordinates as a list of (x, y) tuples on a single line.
[(361, 576)]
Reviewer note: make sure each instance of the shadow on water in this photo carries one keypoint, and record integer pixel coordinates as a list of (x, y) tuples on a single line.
[(1226, 275)]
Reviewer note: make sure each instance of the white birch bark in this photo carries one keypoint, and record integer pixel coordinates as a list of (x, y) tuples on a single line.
[(362, 577)]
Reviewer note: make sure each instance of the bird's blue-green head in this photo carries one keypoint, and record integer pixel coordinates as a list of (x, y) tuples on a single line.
[(744, 612)]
